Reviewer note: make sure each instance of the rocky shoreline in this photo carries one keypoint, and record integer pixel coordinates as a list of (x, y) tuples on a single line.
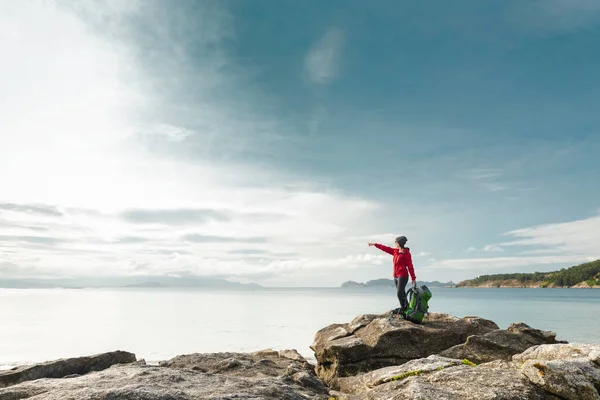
[(371, 357), (514, 284)]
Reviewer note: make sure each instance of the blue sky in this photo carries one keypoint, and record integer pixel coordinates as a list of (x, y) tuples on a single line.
[(269, 141)]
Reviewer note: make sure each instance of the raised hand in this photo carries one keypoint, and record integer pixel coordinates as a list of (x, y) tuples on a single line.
[(371, 244)]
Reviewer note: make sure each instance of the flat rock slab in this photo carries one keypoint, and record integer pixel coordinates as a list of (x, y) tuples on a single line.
[(65, 367)]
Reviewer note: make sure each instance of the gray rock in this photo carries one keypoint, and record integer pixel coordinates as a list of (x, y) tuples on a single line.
[(229, 376), (292, 355), (544, 372), (361, 384), (569, 371), (261, 363), (65, 367), (462, 382), (558, 352), (500, 344), (450, 380), (373, 341)]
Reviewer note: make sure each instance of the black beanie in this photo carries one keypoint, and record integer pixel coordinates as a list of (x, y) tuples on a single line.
[(401, 240)]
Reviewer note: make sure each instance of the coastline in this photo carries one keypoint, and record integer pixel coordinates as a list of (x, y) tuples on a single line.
[(504, 286)]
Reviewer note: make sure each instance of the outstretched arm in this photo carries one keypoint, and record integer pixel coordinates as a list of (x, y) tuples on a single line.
[(381, 247)]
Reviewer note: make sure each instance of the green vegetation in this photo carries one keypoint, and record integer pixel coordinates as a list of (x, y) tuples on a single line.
[(468, 362), (588, 272), (420, 371), (406, 375)]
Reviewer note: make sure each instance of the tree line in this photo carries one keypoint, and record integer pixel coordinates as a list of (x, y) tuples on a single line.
[(588, 272)]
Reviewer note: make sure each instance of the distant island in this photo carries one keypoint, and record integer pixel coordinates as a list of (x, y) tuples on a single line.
[(580, 276), (376, 283)]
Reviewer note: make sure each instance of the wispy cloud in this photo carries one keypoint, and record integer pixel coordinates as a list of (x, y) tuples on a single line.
[(487, 178), (571, 242), (507, 264), (31, 208), (579, 237), (487, 248), (199, 238), (322, 60), (173, 216), (44, 240), (492, 248)]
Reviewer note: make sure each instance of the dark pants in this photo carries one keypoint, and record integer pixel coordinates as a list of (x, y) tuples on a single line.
[(401, 290)]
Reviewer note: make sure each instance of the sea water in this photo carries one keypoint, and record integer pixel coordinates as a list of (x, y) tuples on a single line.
[(156, 324)]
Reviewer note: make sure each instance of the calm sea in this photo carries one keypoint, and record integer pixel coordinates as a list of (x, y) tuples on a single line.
[(156, 324)]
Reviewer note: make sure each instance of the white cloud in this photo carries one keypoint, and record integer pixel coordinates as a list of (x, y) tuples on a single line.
[(569, 243), (581, 236), (492, 248), (322, 61), (510, 264)]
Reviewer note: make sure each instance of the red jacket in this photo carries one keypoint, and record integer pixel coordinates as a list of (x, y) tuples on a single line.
[(402, 261)]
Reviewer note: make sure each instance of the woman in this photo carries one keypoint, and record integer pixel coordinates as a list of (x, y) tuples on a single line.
[(402, 268)]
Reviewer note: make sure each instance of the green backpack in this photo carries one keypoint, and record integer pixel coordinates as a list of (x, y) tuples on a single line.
[(418, 304)]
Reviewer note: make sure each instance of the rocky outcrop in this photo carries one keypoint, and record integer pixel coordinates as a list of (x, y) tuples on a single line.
[(373, 341), (262, 375), (373, 357), (545, 372), (586, 285), (65, 367), (500, 344)]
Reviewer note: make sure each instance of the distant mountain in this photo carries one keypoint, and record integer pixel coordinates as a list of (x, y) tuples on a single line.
[(390, 283), (130, 282), (579, 276)]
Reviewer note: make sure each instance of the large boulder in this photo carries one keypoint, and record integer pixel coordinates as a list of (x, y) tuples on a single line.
[(570, 371), (500, 344), (65, 367), (373, 341), (265, 375)]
